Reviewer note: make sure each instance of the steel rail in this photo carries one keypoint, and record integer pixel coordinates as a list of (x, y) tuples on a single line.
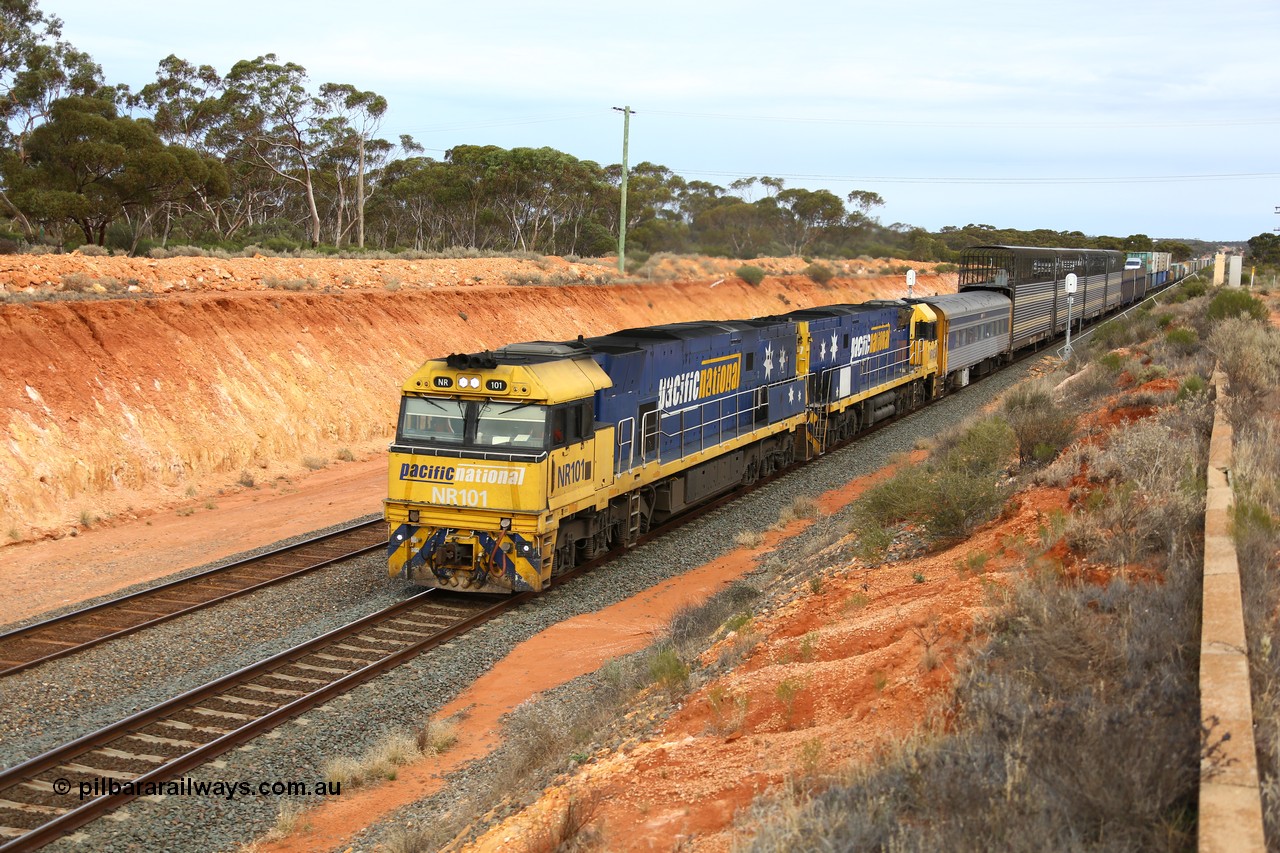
[(10, 665), (89, 811)]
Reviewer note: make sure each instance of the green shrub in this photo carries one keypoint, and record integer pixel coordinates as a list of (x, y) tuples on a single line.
[(1114, 333), (1193, 288), (751, 275), (1191, 386), (1112, 362), (963, 486), (1183, 341), (1234, 302), (820, 273), (668, 670), (281, 244), (1040, 426), (981, 449)]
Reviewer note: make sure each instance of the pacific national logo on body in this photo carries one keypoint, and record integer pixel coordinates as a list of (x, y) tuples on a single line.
[(716, 376), (486, 474), (875, 341)]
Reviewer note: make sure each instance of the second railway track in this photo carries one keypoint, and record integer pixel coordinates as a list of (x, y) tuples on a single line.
[(62, 635), (41, 799)]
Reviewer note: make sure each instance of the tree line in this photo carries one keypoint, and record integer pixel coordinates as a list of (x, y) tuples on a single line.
[(261, 156)]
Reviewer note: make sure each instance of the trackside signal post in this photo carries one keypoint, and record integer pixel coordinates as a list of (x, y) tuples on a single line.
[(1071, 297)]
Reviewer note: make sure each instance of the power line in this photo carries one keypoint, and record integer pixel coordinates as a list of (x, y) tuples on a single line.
[(902, 179), (483, 124), (1228, 122), (506, 122)]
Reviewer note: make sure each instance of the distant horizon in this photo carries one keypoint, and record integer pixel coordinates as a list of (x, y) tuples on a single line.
[(1151, 122)]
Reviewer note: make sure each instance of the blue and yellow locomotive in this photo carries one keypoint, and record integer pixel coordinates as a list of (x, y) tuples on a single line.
[(512, 466)]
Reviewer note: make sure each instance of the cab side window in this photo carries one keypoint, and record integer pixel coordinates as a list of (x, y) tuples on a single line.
[(572, 423)]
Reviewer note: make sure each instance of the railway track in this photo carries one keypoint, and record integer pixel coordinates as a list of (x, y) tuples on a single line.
[(53, 794), (63, 635)]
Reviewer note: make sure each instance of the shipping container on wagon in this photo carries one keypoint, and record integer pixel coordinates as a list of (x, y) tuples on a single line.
[(1161, 262)]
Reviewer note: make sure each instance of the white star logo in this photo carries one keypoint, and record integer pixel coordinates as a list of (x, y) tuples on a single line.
[(823, 350), (791, 394), (782, 361), (768, 361), (833, 344)]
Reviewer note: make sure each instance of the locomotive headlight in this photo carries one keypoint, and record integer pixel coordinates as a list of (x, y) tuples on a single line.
[(504, 524), (414, 516)]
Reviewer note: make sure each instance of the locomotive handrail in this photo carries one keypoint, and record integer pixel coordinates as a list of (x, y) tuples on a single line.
[(879, 374), (734, 416), (629, 442)]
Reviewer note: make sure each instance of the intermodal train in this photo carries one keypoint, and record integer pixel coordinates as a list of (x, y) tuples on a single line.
[(511, 466)]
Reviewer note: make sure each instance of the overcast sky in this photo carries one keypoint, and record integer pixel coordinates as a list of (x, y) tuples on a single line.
[(1111, 117)]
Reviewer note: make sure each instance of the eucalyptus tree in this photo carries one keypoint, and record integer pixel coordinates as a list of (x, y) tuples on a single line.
[(426, 199), (354, 117), (697, 197), (89, 166), (1264, 248), (654, 219), (735, 228), (533, 190), (807, 215), (186, 108), (269, 121), (36, 68)]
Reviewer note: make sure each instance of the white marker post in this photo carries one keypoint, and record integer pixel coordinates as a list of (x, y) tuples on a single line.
[(1071, 297), (911, 281)]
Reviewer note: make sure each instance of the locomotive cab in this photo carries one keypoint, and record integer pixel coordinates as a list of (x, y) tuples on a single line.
[(488, 448)]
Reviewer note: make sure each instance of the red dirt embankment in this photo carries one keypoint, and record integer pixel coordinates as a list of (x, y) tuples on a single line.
[(113, 407)]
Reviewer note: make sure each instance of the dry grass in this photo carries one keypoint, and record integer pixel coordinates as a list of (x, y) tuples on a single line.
[(290, 818), (437, 736), (962, 486), (544, 736), (1077, 726), (1041, 427), (380, 761)]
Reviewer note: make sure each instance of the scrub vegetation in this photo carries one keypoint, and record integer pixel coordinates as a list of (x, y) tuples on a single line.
[(1074, 725)]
